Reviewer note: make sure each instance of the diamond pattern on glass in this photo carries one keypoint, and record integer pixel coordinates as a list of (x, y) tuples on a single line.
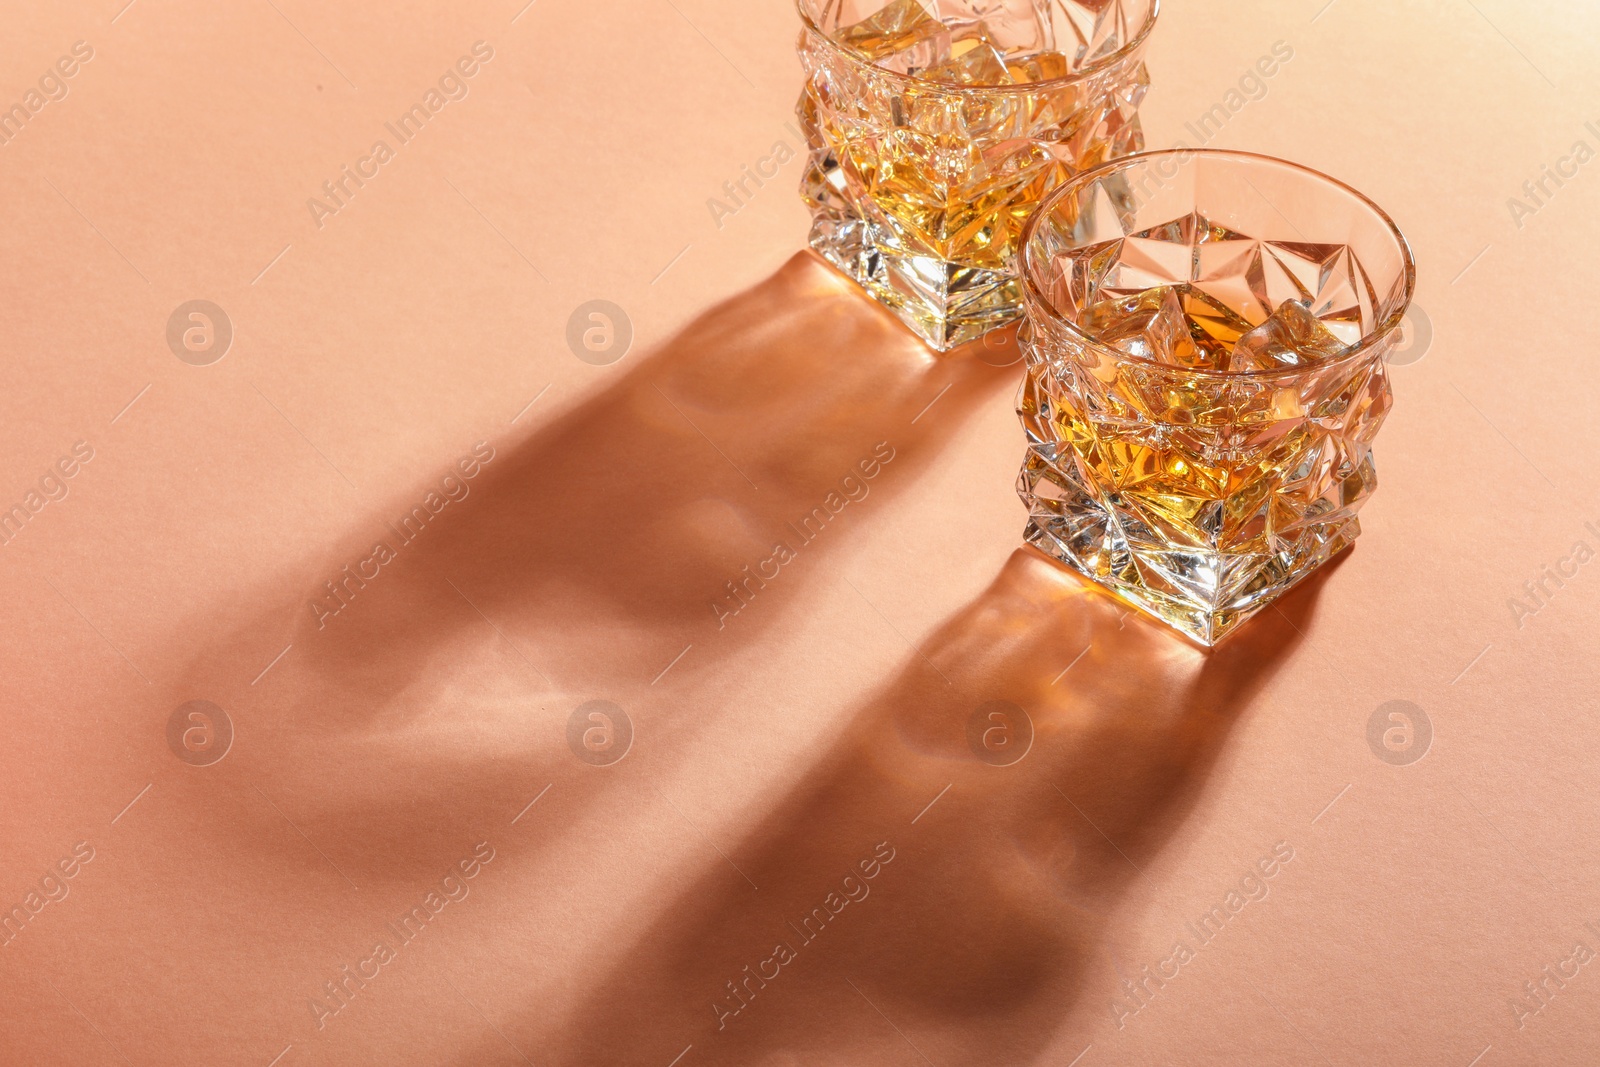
[(1204, 383), (934, 130)]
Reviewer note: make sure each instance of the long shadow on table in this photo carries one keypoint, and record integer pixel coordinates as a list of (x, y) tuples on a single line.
[(578, 563), (916, 903), (635, 510)]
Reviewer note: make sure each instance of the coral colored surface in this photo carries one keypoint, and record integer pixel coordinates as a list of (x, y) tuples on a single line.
[(367, 528)]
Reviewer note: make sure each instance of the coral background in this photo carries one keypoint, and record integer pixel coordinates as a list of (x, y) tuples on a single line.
[(377, 750)]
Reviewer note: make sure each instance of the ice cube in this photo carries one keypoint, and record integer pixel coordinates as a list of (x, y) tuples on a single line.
[(1038, 67), (1150, 325), (902, 37), (1012, 25), (1218, 325), (974, 60), (1291, 337)]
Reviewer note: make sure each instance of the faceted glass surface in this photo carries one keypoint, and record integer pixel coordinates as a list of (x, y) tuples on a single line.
[(935, 127), (1206, 345)]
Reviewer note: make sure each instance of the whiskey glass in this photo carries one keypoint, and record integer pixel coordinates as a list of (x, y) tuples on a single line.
[(1205, 345), (935, 127)]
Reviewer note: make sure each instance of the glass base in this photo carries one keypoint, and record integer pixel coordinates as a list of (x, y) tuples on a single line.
[(945, 304), (1203, 592)]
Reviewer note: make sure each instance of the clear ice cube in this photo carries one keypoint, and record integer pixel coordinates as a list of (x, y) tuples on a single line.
[(1151, 325), (1291, 337), (903, 37), (1038, 67), (974, 60), (1013, 26)]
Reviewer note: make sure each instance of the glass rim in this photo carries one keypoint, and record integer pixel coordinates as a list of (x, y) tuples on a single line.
[(1036, 299), (1099, 66)]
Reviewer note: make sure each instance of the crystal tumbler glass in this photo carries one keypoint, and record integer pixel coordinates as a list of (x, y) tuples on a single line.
[(1206, 344), (934, 128)]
